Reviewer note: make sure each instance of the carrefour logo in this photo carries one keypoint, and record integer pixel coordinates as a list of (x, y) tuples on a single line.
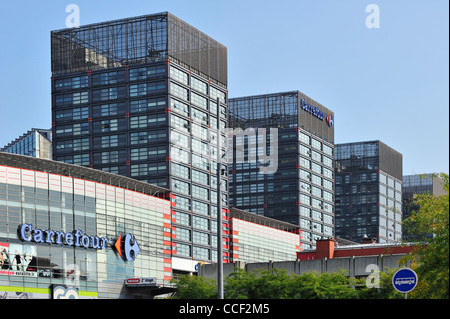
[(126, 245), (330, 120)]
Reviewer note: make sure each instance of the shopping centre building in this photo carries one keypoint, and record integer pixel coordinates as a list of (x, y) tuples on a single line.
[(64, 226)]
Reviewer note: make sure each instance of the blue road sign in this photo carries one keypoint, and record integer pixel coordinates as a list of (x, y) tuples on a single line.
[(405, 280)]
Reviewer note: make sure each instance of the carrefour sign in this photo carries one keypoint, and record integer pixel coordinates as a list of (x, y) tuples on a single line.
[(126, 245), (312, 109)]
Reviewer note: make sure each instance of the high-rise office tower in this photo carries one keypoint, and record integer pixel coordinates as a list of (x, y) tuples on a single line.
[(414, 185), (287, 173), (368, 192), (145, 97)]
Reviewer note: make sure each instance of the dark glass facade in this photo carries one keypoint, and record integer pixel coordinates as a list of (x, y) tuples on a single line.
[(418, 184), (301, 188), (368, 192), (145, 97)]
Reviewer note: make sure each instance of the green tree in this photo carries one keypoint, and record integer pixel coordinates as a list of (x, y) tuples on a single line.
[(259, 284), (430, 223), (276, 284), (193, 287)]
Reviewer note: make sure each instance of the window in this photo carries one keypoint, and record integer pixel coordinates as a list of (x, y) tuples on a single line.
[(72, 130), (142, 154), (327, 219), (108, 94), (305, 200), (305, 175), (146, 88), (327, 185), (107, 78), (111, 125), (147, 72), (180, 108), (316, 227), (110, 157), (108, 109), (72, 83), (147, 105), (199, 177), (200, 192), (77, 159), (183, 203), (327, 173), (215, 93), (316, 156), (183, 234), (305, 187), (147, 137), (148, 169), (316, 144), (181, 187), (316, 180), (317, 192), (315, 203), (199, 85), (304, 138), (180, 171), (199, 100), (73, 145), (306, 212), (201, 253), (72, 114), (200, 223), (183, 219), (179, 75), (305, 163), (213, 107), (305, 224), (328, 196), (147, 121), (317, 215), (179, 123), (200, 208), (316, 168), (179, 155), (179, 91), (183, 250), (327, 161), (200, 162), (327, 150), (200, 238), (200, 147), (179, 139), (72, 98), (109, 141), (200, 132), (199, 116), (305, 151)]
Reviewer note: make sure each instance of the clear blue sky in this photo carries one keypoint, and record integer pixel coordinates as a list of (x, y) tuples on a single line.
[(389, 84)]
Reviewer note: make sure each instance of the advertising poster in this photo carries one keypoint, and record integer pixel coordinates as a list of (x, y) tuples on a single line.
[(17, 260)]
